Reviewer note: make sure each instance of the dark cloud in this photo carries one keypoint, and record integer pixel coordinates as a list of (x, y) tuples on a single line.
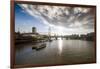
[(65, 16)]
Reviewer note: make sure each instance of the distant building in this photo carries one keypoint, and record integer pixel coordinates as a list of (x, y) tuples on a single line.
[(33, 33), (28, 34), (34, 30)]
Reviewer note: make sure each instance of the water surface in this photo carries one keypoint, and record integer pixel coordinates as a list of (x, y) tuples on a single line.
[(56, 52)]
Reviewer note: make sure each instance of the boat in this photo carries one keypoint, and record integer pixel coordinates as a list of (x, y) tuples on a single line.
[(38, 47), (50, 40), (41, 46)]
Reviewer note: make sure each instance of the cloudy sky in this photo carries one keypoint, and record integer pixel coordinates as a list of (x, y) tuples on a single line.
[(62, 20)]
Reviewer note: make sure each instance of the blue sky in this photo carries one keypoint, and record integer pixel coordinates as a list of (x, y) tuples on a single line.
[(24, 22)]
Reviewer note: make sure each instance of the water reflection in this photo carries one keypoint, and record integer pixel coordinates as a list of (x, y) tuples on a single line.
[(59, 51), (60, 45)]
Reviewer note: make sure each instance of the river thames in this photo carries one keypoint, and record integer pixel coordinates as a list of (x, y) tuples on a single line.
[(56, 52)]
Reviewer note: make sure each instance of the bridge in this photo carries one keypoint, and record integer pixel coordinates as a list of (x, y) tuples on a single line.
[(56, 37)]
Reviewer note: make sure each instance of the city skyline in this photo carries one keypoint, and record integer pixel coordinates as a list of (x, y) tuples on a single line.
[(62, 20)]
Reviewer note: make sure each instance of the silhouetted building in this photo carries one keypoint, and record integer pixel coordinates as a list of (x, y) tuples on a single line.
[(33, 29)]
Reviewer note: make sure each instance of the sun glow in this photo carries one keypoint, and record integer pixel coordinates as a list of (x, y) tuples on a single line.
[(60, 45)]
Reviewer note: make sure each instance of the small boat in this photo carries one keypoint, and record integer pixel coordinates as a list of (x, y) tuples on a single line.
[(39, 46), (50, 40)]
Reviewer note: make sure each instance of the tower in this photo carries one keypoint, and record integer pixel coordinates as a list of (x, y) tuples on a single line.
[(33, 29)]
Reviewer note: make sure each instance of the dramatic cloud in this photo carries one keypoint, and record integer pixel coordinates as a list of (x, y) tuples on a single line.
[(63, 16)]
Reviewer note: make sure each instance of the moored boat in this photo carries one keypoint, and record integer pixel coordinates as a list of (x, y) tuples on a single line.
[(37, 47)]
